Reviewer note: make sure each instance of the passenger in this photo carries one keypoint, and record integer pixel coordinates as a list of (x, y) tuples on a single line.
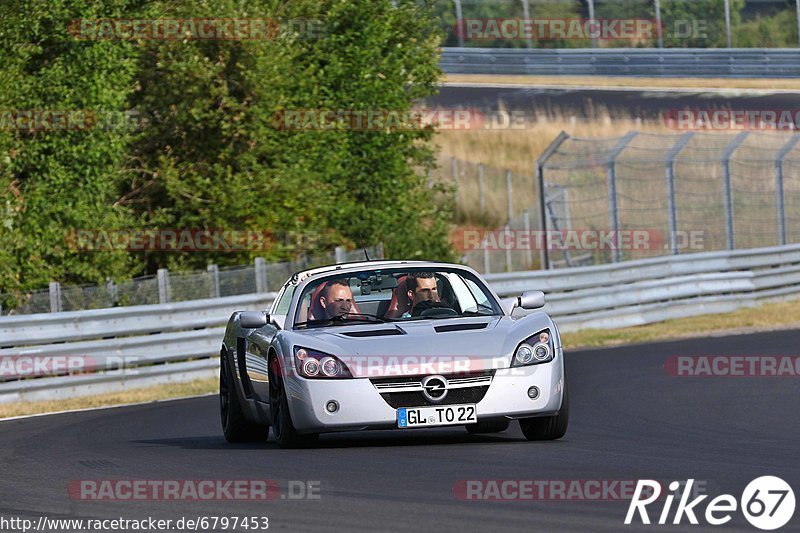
[(337, 298)]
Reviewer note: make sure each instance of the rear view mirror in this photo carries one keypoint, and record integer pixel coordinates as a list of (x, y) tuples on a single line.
[(531, 300), (253, 319)]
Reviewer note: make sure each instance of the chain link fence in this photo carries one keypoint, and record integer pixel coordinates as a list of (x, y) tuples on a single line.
[(663, 194), (167, 286)]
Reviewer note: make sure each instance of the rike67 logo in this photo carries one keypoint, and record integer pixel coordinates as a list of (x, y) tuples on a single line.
[(767, 503)]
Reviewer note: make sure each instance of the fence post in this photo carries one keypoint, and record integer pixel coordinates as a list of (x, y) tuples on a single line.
[(611, 173), (509, 266), (55, 297), (459, 23), (659, 30), (510, 193), (480, 188), (261, 274), (539, 170), (485, 247), (728, 21), (669, 165), (591, 17), (726, 176), (213, 273), (526, 12), (163, 285), (340, 254), (779, 196), (526, 224)]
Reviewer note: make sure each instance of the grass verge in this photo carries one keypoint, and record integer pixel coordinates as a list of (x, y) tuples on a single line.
[(771, 316), (149, 394), (623, 81)]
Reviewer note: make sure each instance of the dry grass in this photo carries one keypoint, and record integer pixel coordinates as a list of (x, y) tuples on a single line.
[(150, 394), (622, 81), (773, 316)]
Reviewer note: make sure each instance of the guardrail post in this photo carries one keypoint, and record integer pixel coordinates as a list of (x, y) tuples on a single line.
[(539, 170), (726, 176), (55, 297), (669, 165), (611, 173), (779, 196), (261, 274), (340, 254), (485, 247), (163, 285), (213, 273)]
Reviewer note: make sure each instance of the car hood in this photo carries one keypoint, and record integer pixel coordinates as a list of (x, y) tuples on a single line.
[(442, 346)]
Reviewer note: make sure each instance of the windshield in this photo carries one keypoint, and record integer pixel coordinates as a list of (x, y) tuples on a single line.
[(393, 295)]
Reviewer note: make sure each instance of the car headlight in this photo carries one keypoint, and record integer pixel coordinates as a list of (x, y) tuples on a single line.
[(534, 350), (313, 364)]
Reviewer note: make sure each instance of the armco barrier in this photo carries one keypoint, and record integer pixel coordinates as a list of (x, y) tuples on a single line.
[(149, 345), (649, 62)]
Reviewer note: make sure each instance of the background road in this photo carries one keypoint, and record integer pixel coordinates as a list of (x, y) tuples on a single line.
[(647, 105), (630, 420)]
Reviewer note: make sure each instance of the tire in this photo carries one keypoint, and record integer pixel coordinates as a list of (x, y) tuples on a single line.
[(235, 426), (548, 427), (282, 427), (488, 426)]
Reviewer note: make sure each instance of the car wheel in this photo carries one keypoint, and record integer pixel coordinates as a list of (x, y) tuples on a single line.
[(235, 426), (548, 427), (488, 426), (282, 427)]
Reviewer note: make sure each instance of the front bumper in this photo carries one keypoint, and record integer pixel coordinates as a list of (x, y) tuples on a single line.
[(362, 407)]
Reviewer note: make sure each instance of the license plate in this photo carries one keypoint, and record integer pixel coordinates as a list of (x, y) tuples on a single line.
[(446, 415)]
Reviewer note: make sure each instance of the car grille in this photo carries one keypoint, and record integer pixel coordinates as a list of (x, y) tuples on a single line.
[(406, 391), (416, 399)]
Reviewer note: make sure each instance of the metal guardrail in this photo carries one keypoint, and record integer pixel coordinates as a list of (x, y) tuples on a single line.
[(149, 345), (650, 62)]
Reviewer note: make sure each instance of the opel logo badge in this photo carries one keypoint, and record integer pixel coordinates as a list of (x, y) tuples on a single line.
[(434, 388)]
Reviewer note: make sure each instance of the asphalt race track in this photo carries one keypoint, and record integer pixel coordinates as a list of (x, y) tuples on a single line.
[(583, 102), (630, 420)]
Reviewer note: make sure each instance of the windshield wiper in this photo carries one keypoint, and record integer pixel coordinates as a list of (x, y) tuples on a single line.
[(349, 317)]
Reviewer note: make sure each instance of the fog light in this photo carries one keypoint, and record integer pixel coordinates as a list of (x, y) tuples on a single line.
[(533, 393), (332, 406)]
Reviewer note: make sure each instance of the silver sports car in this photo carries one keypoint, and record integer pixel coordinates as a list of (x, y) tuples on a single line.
[(391, 345)]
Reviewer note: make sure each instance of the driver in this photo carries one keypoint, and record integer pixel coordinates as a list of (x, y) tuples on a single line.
[(337, 298), (421, 288)]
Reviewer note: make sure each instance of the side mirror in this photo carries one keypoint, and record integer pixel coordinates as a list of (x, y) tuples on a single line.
[(253, 319), (531, 300)]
